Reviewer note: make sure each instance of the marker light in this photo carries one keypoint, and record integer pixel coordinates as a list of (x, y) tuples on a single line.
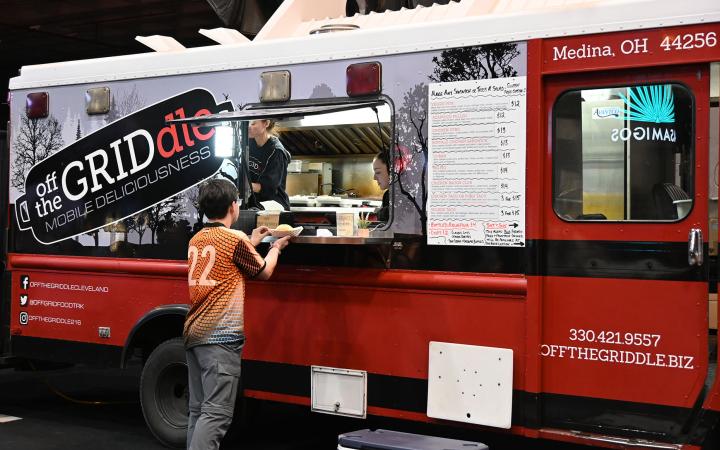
[(364, 79), (97, 100), (275, 86), (36, 105), (224, 141)]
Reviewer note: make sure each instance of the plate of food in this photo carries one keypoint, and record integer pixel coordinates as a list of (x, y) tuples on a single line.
[(286, 230)]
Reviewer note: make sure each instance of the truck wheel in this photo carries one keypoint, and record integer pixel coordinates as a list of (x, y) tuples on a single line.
[(164, 393)]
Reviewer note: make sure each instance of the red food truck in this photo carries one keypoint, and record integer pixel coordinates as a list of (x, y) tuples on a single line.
[(547, 266)]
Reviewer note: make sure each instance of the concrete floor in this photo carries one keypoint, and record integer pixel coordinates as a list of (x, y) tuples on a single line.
[(51, 420)]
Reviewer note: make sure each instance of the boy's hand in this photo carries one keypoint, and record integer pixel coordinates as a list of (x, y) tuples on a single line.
[(258, 234), (281, 243)]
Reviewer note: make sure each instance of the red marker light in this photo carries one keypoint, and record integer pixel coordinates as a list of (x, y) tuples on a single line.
[(364, 79), (36, 105)]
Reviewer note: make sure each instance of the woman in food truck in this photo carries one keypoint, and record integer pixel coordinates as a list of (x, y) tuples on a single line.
[(381, 175), (268, 162)]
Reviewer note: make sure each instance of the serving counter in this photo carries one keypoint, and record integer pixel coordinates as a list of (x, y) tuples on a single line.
[(376, 238)]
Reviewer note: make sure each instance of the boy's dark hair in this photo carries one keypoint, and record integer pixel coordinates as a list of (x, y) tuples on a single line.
[(216, 196)]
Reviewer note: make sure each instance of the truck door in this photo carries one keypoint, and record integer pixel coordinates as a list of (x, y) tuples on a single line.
[(624, 256)]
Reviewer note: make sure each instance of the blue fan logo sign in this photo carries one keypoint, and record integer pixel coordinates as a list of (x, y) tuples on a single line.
[(651, 104), (121, 169)]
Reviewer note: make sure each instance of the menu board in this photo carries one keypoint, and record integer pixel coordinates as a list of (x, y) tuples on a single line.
[(476, 173)]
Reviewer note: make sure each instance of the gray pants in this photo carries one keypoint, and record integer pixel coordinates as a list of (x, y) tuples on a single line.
[(213, 375)]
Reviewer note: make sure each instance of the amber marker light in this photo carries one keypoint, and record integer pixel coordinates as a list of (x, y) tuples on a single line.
[(97, 100), (275, 86)]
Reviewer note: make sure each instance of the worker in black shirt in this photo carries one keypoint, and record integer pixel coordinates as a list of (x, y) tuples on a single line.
[(268, 163)]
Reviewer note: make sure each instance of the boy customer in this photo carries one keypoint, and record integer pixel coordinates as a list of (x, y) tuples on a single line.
[(219, 260)]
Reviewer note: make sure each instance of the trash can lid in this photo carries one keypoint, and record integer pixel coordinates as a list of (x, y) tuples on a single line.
[(395, 440)]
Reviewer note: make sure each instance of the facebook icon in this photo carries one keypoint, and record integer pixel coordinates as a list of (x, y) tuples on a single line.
[(24, 281)]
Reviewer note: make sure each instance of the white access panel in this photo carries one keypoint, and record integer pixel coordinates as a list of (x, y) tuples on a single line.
[(341, 392), (469, 383)]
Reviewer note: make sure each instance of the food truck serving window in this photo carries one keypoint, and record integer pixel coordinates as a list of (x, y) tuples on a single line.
[(624, 153), (334, 185), (331, 174)]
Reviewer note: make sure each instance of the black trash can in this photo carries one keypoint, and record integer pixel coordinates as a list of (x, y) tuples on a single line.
[(394, 440)]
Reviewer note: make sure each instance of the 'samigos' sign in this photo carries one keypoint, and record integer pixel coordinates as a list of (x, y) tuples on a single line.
[(120, 170)]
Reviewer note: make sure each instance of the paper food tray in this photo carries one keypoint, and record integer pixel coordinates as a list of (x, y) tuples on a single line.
[(328, 200), (280, 234), (303, 201), (351, 203)]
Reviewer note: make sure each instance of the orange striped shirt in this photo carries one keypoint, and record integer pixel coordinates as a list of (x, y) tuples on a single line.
[(219, 259)]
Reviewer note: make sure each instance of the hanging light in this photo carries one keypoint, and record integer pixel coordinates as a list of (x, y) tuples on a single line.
[(224, 141)]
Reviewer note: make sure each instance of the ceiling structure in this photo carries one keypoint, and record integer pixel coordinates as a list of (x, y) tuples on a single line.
[(355, 139), (44, 31)]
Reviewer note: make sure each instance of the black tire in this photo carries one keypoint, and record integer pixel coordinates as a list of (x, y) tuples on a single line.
[(164, 393)]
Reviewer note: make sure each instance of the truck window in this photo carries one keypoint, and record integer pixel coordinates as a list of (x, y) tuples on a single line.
[(624, 153), (331, 169)]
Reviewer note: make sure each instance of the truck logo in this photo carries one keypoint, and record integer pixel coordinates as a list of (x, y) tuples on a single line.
[(121, 169), (654, 104), (651, 104)]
